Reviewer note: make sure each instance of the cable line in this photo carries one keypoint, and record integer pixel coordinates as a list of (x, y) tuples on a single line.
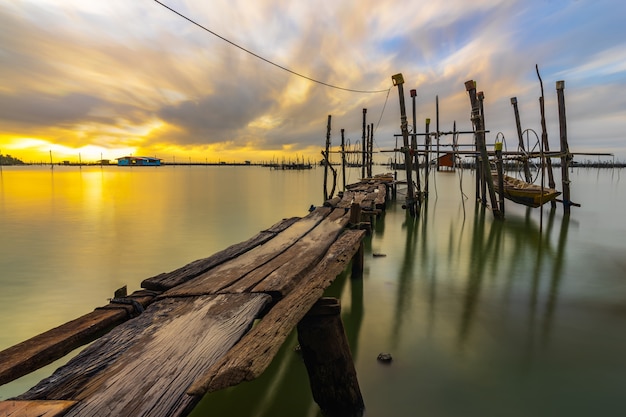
[(267, 60)]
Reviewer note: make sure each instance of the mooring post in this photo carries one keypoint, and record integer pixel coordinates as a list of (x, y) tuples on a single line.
[(358, 262), (544, 138), (363, 157), (326, 159), (565, 155), (483, 180), (520, 138), (500, 169), (398, 81), (477, 121), (427, 162), (369, 152), (343, 159), (437, 126), (328, 361), (355, 214), (416, 159)]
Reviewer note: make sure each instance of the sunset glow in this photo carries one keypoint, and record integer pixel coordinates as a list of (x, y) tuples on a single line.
[(94, 81)]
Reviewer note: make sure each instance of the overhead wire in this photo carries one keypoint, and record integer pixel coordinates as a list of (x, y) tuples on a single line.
[(267, 60)]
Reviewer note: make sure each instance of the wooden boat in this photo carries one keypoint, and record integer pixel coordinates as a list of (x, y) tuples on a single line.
[(521, 192)]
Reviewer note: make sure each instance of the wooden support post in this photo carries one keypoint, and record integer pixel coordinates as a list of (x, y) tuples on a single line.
[(343, 159), (398, 81), (518, 124), (328, 361), (565, 155), (437, 126), (416, 159), (483, 171), (363, 158), (479, 128), (326, 159), (427, 162), (355, 214), (500, 175), (369, 152), (358, 262), (544, 138)]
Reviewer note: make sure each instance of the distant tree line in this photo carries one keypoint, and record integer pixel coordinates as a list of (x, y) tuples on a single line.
[(9, 160)]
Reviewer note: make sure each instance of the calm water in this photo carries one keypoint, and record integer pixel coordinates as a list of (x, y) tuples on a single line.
[(515, 318)]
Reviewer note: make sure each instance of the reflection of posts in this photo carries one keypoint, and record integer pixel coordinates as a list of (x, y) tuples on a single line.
[(328, 360)]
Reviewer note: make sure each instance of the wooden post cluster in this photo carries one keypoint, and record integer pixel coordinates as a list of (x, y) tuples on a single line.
[(329, 362), (479, 128)]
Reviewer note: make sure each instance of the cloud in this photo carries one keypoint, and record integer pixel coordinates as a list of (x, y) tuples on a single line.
[(117, 71)]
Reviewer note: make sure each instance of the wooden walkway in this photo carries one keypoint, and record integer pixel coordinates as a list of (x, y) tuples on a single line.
[(209, 325)]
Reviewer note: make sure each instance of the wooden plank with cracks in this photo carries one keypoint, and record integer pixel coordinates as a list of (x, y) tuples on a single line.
[(165, 281), (253, 354), (222, 276), (45, 348), (145, 366)]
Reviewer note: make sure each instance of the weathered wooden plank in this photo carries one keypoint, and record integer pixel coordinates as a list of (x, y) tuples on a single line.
[(49, 346), (226, 274), (301, 257), (39, 408), (165, 281), (144, 367), (251, 356)]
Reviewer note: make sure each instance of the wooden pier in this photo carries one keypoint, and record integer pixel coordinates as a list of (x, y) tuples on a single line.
[(211, 324)]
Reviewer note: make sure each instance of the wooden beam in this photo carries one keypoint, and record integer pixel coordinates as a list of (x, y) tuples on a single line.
[(45, 348), (40, 408)]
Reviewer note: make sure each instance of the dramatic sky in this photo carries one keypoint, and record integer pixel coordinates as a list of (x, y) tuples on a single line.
[(121, 77)]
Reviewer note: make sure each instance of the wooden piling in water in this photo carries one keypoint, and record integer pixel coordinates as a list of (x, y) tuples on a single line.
[(363, 158), (328, 360), (500, 170), (478, 122), (398, 81), (520, 138), (416, 160), (327, 159), (343, 159), (544, 138), (427, 164), (565, 155)]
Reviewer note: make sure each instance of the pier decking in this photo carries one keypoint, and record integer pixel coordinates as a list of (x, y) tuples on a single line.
[(206, 326)]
